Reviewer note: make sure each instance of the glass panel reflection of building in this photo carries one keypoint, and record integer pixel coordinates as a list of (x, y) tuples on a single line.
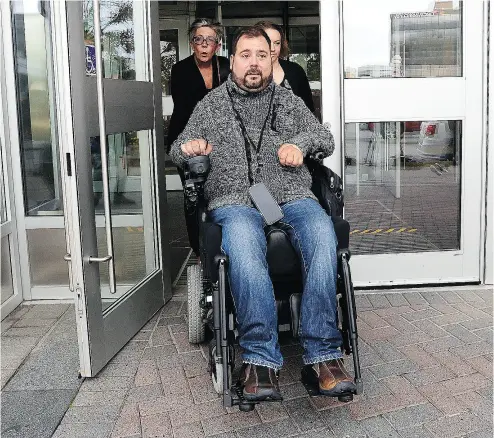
[(414, 41), (426, 44)]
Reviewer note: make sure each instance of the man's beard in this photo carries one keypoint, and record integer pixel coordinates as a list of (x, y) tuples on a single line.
[(253, 85)]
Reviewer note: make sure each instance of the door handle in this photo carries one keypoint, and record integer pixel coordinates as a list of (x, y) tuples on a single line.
[(68, 259), (90, 259), (104, 150), (100, 259)]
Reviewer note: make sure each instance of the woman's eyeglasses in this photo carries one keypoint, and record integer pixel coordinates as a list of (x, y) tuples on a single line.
[(199, 40)]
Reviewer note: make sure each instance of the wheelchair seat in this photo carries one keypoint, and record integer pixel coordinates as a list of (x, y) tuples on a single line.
[(282, 259)]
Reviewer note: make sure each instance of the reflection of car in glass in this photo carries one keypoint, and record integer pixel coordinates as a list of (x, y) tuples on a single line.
[(437, 140), (411, 126)]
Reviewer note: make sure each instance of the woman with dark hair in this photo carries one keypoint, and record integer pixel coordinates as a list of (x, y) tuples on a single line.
[(191, 79), (286, 73)]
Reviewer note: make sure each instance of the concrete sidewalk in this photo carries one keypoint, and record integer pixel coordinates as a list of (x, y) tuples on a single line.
[(426, 361)]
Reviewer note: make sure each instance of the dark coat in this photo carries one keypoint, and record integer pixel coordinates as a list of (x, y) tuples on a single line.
[(296, 77), (188, 88)]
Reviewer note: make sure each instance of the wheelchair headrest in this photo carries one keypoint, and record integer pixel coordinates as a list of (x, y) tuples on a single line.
[(197, 168)]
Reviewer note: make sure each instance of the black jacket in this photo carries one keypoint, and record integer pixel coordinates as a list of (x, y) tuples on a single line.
[(297, 79), (188, 88)]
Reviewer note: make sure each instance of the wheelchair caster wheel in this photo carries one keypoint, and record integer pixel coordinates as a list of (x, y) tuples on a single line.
[(246, 407), (345, 398)]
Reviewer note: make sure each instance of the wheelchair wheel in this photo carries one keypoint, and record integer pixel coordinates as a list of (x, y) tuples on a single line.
[(195, 312), (217, 370), (217, 378)]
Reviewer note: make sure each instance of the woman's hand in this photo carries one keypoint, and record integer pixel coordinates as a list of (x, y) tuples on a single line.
[(196, 147), (290, 155)]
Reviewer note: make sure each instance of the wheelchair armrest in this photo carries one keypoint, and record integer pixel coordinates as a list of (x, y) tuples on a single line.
[(327, 186)]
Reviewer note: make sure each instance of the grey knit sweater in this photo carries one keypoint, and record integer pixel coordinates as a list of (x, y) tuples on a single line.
[(289, 121)]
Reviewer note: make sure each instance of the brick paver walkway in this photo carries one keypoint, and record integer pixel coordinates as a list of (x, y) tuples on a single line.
[(426, 362)]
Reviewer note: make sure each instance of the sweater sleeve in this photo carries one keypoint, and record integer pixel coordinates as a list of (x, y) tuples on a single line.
[(311, 136), (198, 126)]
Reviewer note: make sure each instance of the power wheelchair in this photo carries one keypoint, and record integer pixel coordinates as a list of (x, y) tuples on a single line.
[(210, 306)]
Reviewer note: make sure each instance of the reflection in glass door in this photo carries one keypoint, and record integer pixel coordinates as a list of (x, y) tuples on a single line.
[(115, 193), (130, 201), (169, 55), (411, 187), (402, 186), (174, 47)]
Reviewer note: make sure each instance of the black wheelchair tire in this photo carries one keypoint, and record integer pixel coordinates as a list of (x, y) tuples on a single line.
[(195, 313)]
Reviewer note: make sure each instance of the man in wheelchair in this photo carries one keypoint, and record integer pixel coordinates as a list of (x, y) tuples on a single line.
[(255, 131)]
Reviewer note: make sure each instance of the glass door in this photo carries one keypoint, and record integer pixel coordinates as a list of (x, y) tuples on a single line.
[(112, 158), (410, 102)]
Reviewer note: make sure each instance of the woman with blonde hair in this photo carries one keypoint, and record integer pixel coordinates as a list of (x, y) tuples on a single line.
[(286, 73), (191, 79)]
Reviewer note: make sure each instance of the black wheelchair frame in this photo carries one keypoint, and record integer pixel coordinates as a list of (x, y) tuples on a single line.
[(209, 300)]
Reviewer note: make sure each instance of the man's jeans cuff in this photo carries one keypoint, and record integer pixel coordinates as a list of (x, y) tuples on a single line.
[(262, 363), (330, 356)]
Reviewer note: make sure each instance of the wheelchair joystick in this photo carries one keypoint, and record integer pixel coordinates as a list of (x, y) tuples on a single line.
[(196, 170)]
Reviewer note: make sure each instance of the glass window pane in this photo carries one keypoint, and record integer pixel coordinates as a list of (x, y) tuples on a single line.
[(124, 167), (410, 39), (305, 51), (39, 152), (121, 58), (47, 248), (129, 155), (169, 57), (402, 186), (6, 271)]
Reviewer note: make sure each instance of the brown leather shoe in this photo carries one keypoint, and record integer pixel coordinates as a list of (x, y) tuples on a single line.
[(260, 383), (331, 377)]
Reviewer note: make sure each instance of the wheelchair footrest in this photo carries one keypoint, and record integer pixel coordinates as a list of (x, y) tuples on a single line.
[(313, 391), (238, 399)]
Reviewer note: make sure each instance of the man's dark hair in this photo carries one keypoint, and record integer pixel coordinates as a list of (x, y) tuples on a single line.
[(249, 32)]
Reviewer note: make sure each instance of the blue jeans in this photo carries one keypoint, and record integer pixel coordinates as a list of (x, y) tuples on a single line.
[(313, 237)]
